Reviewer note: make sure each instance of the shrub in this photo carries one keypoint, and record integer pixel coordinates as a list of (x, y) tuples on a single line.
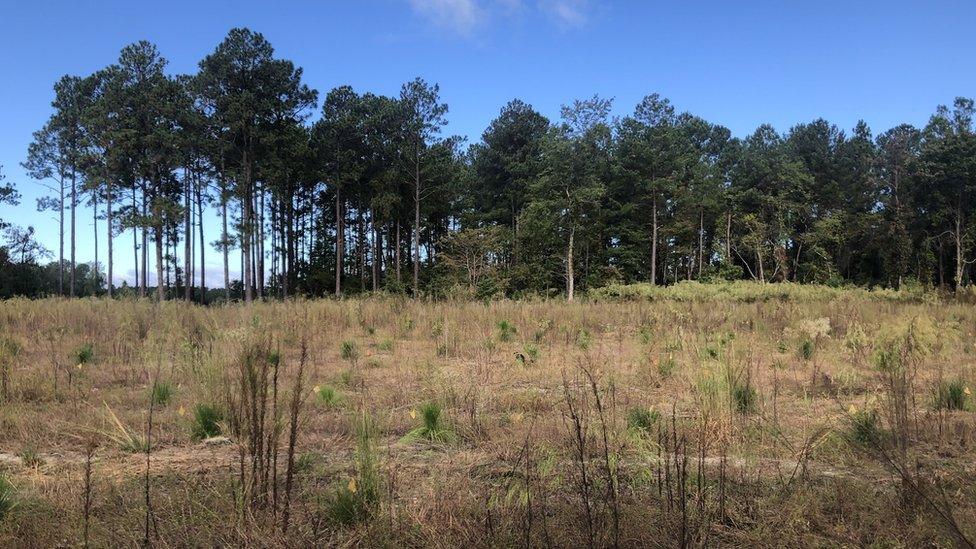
[(206, 421), (432, 427), (951, 395)]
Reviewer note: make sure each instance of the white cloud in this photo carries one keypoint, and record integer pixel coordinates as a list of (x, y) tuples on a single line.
[(461, 16), (568, 13)]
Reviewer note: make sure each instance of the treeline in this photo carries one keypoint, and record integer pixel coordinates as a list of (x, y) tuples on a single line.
[(372, 196)]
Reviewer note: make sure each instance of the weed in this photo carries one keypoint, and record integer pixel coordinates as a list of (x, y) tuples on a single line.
[(806, 349), (386, 346), (126, 439)]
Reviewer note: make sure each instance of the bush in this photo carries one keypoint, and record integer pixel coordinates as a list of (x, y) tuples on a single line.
[(206, 421)]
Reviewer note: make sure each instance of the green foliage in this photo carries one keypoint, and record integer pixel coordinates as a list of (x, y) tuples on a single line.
[(205, 422), (744, 398), (328, 396), (358, 498), (642, 420), (8, 497), (85, 354), (806, 349), (863, 428), (506, 331), (30, 457), (432, 426), (952, 395), (161, 393)]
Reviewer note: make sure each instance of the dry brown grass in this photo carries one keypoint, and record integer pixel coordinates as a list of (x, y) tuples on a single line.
[(751, 441)]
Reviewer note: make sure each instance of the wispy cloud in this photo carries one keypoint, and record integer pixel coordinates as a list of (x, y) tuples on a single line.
[(567, 13), (465, 17), (460, 16)]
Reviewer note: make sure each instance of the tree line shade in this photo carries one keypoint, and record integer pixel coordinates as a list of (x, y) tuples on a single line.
[(372, 196)]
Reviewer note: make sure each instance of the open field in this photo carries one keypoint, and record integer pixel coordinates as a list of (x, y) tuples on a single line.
[(757, 416)]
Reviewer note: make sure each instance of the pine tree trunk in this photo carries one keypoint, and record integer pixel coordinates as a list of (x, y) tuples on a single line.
[(960, 259), (187, 241), (74, 204), (377, 256), (654, 243), (399, 246), (145, 246), (203, 245), (416, 228), (728, 237), (95, 272), (570, 274), (701, 239), (135, 241), (109, 219), (61, 241), (259, 249), (340, 243), (224, 241), (246, 203)]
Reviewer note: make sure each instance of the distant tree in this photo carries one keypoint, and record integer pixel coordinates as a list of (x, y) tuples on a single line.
[(423, 118)]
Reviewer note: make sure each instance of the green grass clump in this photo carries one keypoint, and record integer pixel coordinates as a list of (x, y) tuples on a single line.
[(806, 349), (642, 420), (744, 398), (30, 457), (348, 350), (328, 395), (205, 422), (357, 499), (85, 354), (161, 393), (952, 395), (863, 427), (386, 346), (506, 331), (8, 497), (432, 426)]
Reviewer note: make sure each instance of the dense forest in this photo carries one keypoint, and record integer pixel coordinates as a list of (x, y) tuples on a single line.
[(373, 196)]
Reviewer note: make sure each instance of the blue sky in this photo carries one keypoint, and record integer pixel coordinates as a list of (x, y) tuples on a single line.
[(735, 63)]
